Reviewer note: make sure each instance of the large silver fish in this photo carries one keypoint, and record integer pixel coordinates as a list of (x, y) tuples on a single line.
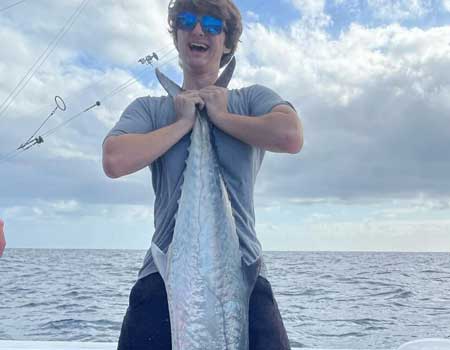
[(208, 284)]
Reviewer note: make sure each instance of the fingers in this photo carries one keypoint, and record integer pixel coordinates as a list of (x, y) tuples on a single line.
[(210, 95), (212, 89), (198, 101), (192, 96), (189, 93), (213, 92), (209, 91), (185, 106)]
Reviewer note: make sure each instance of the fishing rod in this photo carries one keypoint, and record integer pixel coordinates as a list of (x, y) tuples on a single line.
[(51, 47), (32, 140), (12, 5), (114, 92), (60, 104)]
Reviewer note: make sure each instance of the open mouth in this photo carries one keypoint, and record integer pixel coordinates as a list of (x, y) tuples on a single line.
[(198, 47)]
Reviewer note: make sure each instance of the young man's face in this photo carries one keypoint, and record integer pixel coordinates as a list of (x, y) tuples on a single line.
[(199, 50)]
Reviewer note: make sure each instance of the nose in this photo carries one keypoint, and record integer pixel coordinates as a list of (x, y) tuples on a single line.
[(198, 29)]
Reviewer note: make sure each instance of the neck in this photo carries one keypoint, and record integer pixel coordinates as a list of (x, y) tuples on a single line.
[(198, 80)]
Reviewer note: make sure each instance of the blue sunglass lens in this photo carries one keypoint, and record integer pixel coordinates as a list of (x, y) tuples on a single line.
[(187, 21), (212, 24)]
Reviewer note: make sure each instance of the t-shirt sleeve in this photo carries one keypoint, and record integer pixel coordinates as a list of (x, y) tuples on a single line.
[(137, 118), (262, 100)]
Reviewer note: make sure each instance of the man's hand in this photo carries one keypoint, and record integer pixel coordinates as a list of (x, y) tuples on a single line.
[(185, 104), (216, 101), (2, 238)]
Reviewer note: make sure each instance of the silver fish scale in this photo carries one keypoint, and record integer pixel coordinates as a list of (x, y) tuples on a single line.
[(207, 292)]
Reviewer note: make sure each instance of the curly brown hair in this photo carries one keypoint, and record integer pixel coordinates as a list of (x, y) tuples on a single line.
[(224, 9)]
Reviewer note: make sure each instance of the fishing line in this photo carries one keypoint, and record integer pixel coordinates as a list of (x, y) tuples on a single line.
[(106, 76), (111, 94), (12, 5), (42, 58), (163, 52), (134, 80), (149, 58), (52, 131), (11, 155), (40, 139), (61, 105), (98, 103)]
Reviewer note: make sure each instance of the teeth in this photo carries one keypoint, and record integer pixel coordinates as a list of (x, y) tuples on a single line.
[(197, 45)]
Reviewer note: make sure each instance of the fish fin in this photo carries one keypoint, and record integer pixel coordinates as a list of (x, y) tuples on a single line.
[(251, 272), (160, 260)]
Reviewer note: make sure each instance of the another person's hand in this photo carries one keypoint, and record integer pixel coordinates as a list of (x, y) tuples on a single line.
[(185, 104), (2, 237), (216, 101)]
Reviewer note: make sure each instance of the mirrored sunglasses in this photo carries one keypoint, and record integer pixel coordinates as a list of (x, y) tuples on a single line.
[(187, 21)]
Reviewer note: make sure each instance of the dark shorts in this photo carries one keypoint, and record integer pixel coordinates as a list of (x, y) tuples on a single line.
[(146, 325)]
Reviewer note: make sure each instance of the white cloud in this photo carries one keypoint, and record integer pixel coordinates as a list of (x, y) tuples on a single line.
[(252, 16), (312, 12), (82, 69), (71, 209), (426, 235), (389, 79), (446, 4), (66, 206), (352, 227), (362, 98), (374, 103), (399, 10)]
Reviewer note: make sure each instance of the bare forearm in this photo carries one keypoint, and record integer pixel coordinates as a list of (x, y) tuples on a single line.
[(126, 154), (274, 131)]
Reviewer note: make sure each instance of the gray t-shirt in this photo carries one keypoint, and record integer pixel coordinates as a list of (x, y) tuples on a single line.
[(239, 162)]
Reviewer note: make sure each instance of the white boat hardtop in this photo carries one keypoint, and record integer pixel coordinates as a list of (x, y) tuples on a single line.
[(58, 345), (427, 344), (423, 344)]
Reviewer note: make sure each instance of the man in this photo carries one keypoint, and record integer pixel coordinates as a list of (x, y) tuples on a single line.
[(2, 238), (155, 132)]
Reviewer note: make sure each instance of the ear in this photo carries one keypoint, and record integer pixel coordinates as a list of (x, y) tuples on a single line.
[(226, 50)]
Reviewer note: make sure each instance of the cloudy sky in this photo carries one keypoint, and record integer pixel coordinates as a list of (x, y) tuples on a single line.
[(370, 79)]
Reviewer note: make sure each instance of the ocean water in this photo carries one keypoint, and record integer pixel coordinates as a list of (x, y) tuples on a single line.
[(327, 299)]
